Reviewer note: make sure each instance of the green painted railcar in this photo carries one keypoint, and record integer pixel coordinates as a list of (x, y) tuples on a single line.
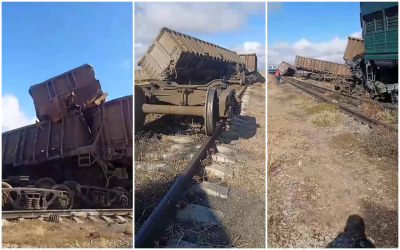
[(379, 22)]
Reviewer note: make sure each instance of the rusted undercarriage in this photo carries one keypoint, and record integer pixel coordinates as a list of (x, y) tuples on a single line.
[(211, 101)]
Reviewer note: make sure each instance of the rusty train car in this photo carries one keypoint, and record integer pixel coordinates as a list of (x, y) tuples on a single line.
[(188, 76), (321, 69), (286, 69), (81, 152), (250, 61)]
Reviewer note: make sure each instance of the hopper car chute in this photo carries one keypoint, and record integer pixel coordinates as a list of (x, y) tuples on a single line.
[(80, 153), (189, 76)]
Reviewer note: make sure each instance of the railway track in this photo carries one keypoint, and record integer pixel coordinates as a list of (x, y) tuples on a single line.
[(317, 91), (158, 221), (342, 95), (108, 215)]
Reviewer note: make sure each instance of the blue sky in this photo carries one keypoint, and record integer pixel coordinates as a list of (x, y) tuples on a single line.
[(320, 29), (41, 40), (315, 21), (236, 26)]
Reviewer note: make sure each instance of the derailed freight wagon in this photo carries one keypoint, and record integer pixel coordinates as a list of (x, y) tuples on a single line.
[(320, 69), (189, 76), (83, 159), (75, 89), (286, 69)]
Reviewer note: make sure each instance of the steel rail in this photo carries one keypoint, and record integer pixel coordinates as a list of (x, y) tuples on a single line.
[(31, 214), (386, 105), (157, 223), (357, 115)]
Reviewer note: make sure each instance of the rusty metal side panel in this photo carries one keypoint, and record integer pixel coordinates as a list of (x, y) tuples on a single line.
[(113, 122), (286, 69), (320, 66), (172, 55), (43, 141), (50, 96), (355, 46), (250, 60)]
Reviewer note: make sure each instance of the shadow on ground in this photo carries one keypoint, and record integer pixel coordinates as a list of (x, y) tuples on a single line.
[(353, 235)]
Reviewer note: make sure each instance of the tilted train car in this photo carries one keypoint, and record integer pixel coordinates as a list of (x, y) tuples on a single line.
[(86, 153), (185, 59), (189, 76), (250, 61), (286, 69), (75, 89), (321, 68)]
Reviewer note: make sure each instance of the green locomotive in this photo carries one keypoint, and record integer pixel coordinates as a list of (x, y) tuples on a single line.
[(374, 61)]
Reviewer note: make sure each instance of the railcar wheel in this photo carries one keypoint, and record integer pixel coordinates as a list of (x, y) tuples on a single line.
[(140, 99), (5, 185), (45, 182), (211, 111), (125, 200), (73, 186), (67, 201)]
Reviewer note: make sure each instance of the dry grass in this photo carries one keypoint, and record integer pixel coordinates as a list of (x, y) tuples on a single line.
[(346, 141), (36, 233), (152, 184), (325, 119), (274, 162), (377, 112), (382, 142)]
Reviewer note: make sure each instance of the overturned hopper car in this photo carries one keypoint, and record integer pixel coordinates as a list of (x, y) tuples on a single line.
[(321, 69), (189, 76), (250, 60), (286, 69), (184, 59), (75, 89), (86, 156)]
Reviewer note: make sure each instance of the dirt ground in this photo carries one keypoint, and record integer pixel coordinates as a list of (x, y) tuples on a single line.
[(320, 173), (67, 234), (244, 213)]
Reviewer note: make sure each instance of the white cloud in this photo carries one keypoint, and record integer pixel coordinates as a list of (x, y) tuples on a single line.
[(140, 49), (206, 18), (332, 50), (203, 18), (12, 116), (253, 47)]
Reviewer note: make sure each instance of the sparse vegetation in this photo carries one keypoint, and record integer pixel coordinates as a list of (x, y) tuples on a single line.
[(39, 234), (382, 142), (377, 112)]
